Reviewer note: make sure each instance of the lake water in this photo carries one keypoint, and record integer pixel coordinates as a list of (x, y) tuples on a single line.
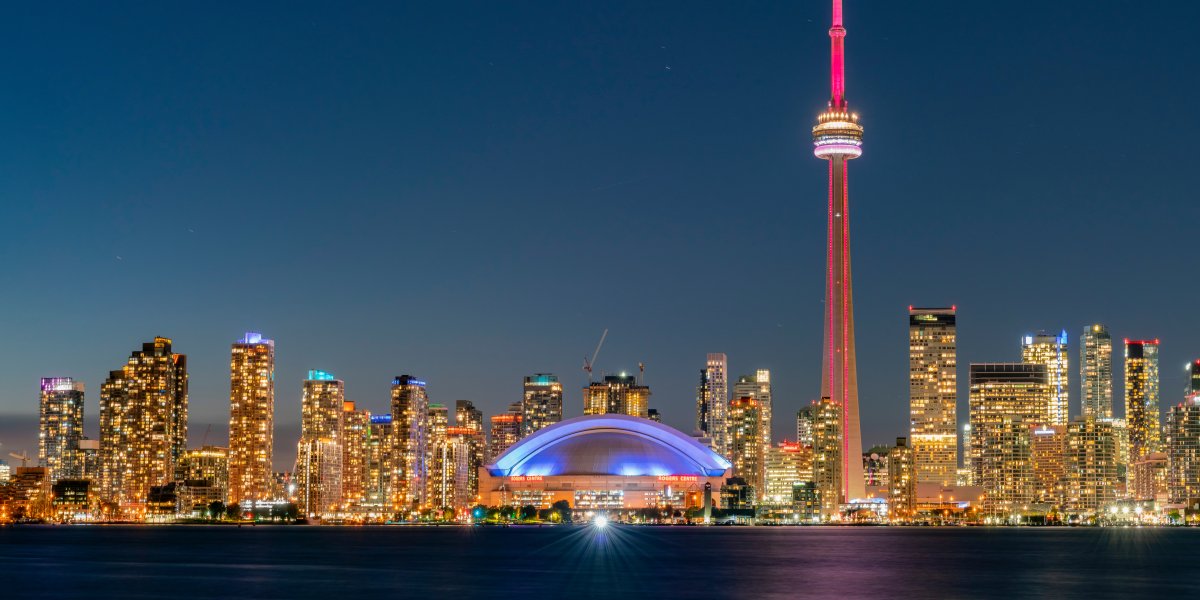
[(375, 563)]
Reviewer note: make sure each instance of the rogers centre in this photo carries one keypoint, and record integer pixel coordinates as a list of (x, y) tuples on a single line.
[(606, 461)]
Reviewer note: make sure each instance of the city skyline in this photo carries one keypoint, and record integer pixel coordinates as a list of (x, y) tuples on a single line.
[(455, 350)]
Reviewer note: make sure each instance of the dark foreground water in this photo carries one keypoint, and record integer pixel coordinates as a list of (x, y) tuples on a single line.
[(375, 563)]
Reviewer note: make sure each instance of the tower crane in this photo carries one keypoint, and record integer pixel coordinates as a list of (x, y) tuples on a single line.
[(23, 457), (587, 364)]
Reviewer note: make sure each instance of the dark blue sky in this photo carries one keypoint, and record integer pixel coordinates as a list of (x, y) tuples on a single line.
[(473, 192)]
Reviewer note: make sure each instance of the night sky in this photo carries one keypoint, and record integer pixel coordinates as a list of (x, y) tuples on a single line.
[(471, 193)]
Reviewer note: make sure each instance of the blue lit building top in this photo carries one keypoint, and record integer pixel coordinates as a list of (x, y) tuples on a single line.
[(542, 379), (381, 419), (253, 337), (408, 380), (319, 375)]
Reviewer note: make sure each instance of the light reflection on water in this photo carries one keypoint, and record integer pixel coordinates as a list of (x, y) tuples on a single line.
[(98, 563)]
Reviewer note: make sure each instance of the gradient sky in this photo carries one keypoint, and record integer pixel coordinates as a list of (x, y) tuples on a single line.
[(472, 192)]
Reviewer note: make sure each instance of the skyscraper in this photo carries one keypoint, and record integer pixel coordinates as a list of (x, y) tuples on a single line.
[(933, 393), (788, 464), (712, 398), (827, 453), (1006, 400), (1141, 398), (506, 431), (1049, 350), (318, 472), (542, 405), (439, 422), (746, 448), (621, 394), (143, 425), (837, 138), (804, 424), (356, 435), (1095, 372), (410, 443), (759, 388), (1183, 451), (251, 418), (60, 428), (1047, 450), (469, 418), (902, 481), (1090, 465)]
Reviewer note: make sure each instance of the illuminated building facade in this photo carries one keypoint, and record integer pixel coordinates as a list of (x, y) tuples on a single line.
[(788, 464), (902, 481), (1006, 400), (827, 455), (1141, 397), (1096, 372), (377, 480), (451, 472), (410, 443), (60, 428), (470, 418), (933, 393), (356, 431), (1049, 350), (251, 418), (712, 399), (143, 425), (206, 477), (1048, 445), (746, 448), (758, 387), (318, 472), (617, 394), (1150, 477), (1183, 450), (439, 420), (543, 403), (804, 424), (609, 461), (506, 431), (837, 138), (1090, 465)]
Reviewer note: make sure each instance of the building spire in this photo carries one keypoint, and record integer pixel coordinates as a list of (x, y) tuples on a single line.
[(837, 78)]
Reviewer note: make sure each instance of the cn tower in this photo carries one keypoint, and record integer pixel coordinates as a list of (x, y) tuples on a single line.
[(837, 138)]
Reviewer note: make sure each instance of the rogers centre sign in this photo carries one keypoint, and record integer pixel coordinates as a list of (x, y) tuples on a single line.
[(678, 478), (525, 478)]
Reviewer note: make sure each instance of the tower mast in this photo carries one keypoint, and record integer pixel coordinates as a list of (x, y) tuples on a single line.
[(837, 138)]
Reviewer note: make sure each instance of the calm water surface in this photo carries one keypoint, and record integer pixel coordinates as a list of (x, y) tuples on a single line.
[(102, 562)]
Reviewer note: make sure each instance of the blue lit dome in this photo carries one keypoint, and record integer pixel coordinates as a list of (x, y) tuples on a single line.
[(609, 445)]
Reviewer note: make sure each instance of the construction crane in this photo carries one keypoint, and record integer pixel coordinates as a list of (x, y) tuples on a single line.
[(587, 364), (641, 372), (23, 457)]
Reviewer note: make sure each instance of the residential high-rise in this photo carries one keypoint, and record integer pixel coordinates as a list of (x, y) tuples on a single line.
[(468, 417), (318, 471), (208, 466), (60, 428), (1095, 372), (439, 421), (759, 388), (410, 443), (621, 394), (143, 425), (450, 469), (712, 399), (827, 456), (1183, 451), (933, 393), (356, 432), (1049, 350), (804, 424), (506, 431), (788, 464), (902, 481), (543, 403), (251, 418), (377, 480), (1047, 450), (837, 138), (1141, 398), (1006, 400), (746, 448), (1090, 465)]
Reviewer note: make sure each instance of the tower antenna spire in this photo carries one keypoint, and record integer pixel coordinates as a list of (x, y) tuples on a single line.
[(837, 65)]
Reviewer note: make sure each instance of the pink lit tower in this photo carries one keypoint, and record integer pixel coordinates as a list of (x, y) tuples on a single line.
[(837, 138)]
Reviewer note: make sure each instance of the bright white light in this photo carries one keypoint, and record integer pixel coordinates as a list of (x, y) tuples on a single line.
[(600, 522)]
